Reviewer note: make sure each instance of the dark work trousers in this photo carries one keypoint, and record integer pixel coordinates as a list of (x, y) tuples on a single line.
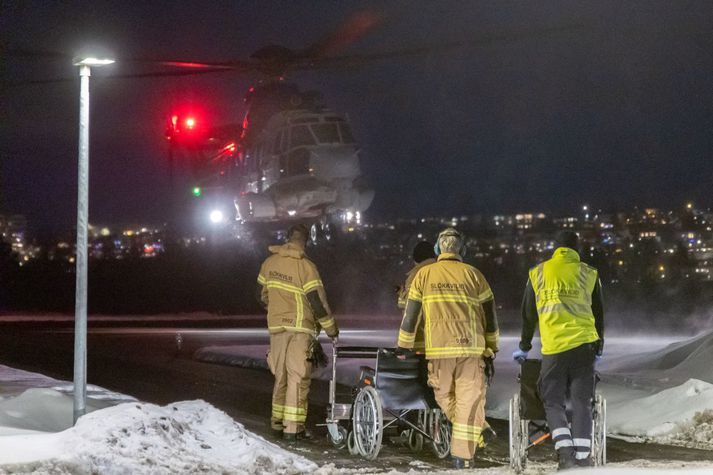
[(570, 372)]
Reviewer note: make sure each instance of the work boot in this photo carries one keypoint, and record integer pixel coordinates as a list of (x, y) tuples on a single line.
[(486, 437), (566, 458), (276, 430), (461, 464), (302, 435)]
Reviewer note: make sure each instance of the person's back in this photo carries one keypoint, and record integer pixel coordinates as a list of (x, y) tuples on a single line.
[(564, 296), (291, 289), (563, 288), (460, 329), (452, 294), (289, 280)]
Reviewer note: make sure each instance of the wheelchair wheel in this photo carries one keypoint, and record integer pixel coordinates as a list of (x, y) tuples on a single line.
[(439, 428), (351, 445), (340, 441), (368, 422), (599, 431), (518, 436), (415, 441)]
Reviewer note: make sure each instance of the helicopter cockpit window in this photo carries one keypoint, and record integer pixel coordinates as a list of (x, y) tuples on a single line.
[(301, 136), (283, 141), (304, 120), (276, 143), (346, 131), (326, 132)]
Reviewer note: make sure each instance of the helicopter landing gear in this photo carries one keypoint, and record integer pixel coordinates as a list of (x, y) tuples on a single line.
[(322, 232)]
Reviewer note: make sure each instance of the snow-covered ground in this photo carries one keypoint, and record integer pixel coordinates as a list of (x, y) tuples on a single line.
[(120, 435), (654, 385), (658, 388)]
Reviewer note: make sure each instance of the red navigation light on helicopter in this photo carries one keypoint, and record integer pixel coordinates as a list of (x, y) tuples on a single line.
[(186, 128)]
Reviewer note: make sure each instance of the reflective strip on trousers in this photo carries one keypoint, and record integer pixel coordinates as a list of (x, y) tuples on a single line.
[(563, 443), (278, 411), (560, 431), (295, 414), (466, 432)]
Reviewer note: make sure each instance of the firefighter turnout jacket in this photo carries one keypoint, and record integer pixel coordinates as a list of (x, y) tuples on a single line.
[(564, 294), (451, 295), (292, 291), (419, 344)]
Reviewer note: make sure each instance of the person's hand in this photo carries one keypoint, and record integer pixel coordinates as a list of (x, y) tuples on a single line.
[(519, 355), (403, 353), (335, 339), (489, 369)]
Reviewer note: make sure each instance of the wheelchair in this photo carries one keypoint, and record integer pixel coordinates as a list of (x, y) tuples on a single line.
[(391, 396), (528, 426)]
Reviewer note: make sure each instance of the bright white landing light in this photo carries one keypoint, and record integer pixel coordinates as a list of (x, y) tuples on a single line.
[(216, 216)]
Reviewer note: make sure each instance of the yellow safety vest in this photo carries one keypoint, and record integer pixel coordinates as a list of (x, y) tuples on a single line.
[(563, 293), (452, 294)]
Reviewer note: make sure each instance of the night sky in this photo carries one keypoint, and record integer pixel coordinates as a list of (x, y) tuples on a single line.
[(615, 112)]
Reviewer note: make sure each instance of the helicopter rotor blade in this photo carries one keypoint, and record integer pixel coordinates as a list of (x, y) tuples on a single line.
[(352, 30), (485, 40), (148, 75)]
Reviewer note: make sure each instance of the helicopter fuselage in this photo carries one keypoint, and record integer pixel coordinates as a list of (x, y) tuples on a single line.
[(303, 164)]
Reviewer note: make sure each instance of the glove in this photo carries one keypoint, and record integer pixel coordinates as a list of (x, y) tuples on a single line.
[(403, 353), (489, 370), (315, 354), (335, 339), (599, 347), (519, 355)]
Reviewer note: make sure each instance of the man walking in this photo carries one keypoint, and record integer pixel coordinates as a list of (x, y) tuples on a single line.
[(291, 289), (460, 329), (565, 296)]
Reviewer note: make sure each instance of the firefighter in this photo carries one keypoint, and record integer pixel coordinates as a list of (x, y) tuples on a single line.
[(290, 288), (460, 329), (423, 255), (565, 296)]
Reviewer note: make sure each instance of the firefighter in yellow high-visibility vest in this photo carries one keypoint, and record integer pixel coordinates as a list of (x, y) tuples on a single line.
[(461, 330), (564, 295), (291, 289)]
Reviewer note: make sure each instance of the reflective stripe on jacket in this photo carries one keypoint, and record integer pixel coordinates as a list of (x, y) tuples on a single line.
[(414, 340), (286, 277), (563, 290), (451, 294)]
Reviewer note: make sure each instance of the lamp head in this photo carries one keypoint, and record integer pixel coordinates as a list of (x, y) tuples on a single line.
[(91, 61)]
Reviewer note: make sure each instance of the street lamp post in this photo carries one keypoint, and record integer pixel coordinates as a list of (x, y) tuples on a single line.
[(80, 306)]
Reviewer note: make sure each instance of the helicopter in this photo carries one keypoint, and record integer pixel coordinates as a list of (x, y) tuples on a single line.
[(291, 158)]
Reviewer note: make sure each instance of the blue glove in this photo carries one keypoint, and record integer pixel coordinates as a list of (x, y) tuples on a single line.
[(519, 355)]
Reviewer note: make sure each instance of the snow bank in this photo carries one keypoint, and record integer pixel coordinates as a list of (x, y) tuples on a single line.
[(662, 413), (138, 438), (671, 365)]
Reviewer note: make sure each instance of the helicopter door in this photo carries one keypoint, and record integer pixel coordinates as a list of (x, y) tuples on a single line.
[(301, 139)]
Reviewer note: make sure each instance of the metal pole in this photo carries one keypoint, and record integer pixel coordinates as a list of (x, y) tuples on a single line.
[(80, 309)]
